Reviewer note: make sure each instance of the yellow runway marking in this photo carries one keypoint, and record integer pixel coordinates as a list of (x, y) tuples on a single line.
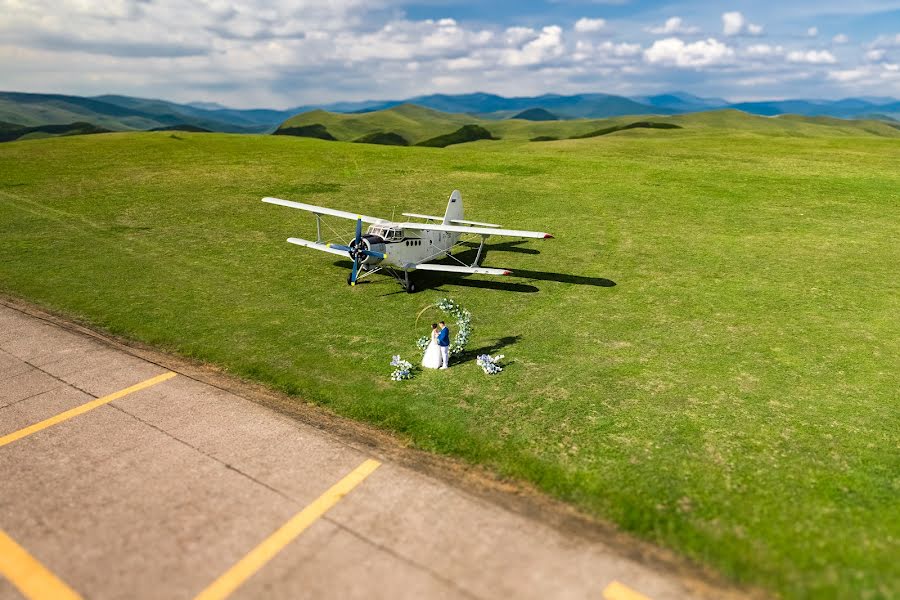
[(619, 591), (30, 576), (272, 545), (65, 416)]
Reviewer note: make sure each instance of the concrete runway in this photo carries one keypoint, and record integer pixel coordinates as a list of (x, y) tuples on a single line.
[(121, 478)]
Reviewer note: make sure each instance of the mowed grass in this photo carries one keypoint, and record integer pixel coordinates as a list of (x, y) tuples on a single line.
[(734, 394)]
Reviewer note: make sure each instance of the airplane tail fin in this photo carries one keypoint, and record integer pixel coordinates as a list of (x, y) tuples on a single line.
[(454, 207)]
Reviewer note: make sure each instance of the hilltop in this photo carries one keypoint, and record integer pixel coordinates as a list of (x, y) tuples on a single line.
[(123, 113), (418, 124)]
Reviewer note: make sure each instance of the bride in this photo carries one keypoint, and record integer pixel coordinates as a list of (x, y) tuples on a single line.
[(432, 358)]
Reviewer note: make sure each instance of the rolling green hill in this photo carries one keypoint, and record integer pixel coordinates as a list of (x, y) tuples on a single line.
[(122, 113), (705, 354), (10, 131), (417, 124)]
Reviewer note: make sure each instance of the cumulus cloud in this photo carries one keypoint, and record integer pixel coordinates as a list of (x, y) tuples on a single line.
[(673, 25), (547, 45), (734, 23), (840, 38), (586, 25), (813, 57), (763, 51), (702, 53), (289, 52), (812, 31)]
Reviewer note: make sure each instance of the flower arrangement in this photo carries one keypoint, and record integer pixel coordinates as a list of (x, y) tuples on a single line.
[(489, 364), (463, 324), (402, 369)]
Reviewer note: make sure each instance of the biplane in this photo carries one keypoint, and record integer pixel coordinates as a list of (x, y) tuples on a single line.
[(403, 247)]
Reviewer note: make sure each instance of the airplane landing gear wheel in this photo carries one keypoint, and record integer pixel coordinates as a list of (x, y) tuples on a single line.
[(349, 279), (410, 288)]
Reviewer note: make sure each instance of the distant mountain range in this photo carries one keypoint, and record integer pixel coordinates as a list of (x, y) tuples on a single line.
[(129, 113)]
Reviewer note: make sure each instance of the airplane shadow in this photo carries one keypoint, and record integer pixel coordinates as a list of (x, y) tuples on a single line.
[(510, 246), (425, 280)]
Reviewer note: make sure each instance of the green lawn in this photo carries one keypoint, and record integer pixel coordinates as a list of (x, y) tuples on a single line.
[(707, 354)]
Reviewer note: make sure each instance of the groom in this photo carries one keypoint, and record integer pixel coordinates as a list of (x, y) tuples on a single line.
[(443, 341)]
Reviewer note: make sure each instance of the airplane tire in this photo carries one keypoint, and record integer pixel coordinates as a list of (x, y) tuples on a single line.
[(411, 288), (350, 279)]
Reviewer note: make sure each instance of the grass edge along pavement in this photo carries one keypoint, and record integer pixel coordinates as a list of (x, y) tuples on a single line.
[(705, 405)]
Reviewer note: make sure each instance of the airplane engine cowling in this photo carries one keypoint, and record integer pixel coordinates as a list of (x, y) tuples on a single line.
[(369, 242)]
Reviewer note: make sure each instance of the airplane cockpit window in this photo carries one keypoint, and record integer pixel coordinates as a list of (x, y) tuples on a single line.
[(388, 234)]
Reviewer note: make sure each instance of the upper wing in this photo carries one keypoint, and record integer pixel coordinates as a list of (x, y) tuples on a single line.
[(476, 230), (460, 269), (321, 210)]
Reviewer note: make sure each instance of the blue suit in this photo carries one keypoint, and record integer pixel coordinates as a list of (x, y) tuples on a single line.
[(443, 338)]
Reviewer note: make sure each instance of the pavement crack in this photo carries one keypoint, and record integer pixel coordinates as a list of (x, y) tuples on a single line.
[(405, 559), (204, 453), (35, 395)]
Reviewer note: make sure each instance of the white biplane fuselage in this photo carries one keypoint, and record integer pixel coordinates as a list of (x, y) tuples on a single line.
[(406, 246)]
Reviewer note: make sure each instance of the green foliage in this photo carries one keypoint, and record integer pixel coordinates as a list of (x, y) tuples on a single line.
[(388, 138), (706, 354), (10, 132), (466, 133), (182, 127), (316, 130), (615, 128), (536, 114)]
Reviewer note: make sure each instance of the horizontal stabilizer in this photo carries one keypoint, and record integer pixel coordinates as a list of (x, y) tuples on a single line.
[(461, 269), (464, 222), (318, 246), (418, 216)]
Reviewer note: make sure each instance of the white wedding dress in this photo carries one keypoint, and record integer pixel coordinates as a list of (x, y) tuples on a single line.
[(432, 358)]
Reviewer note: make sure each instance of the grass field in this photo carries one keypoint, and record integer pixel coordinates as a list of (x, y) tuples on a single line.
[(707, 354)]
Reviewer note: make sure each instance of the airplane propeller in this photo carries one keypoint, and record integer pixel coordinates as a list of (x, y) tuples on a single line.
[(358, 251)]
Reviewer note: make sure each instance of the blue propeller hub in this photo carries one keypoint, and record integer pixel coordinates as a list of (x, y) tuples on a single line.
[(359, 251)]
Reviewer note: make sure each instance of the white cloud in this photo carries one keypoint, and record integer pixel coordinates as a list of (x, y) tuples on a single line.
[(875, 55), (586, 25), (763, 51), (812, 31), (840, 38), (547, 45), (813, 57), (518, 35), (673, 25), (674, 52), (734, 23), (620, 50)]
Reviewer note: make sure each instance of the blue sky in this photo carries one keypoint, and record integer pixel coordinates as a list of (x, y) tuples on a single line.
[(281, 53)]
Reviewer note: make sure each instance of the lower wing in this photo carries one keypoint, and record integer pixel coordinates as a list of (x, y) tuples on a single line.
[(318, 246), (456, 269)]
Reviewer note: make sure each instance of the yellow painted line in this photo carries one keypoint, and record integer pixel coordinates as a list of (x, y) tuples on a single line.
[(620, 591), (78, 410), (272, 545), (30, 576)]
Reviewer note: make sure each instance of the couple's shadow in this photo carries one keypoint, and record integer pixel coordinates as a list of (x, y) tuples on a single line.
[(469, 355)]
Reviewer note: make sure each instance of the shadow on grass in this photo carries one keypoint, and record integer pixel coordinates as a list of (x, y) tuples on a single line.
[(491, 348), (428, 280)]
